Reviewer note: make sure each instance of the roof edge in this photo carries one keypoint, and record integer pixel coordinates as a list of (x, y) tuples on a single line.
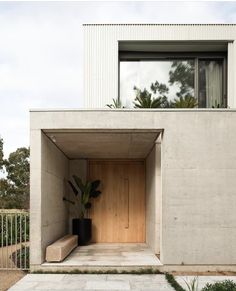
[(55, 110), (159, 24)]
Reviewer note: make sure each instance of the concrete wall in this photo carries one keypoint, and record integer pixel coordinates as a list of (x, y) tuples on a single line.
[(49, 214), (101, 54), (35, 197), (153, 195), (198, 184), (198, 164), (78, 168)]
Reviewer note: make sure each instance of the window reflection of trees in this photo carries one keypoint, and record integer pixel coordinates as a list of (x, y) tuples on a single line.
[(182, 75)]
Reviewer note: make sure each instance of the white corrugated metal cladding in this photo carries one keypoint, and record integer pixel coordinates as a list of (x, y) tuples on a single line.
[(101, 53)]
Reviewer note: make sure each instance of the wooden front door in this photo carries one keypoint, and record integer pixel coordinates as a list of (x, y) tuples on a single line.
[(118, 214)]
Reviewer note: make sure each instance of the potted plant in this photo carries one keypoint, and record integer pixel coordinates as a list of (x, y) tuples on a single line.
[(82, 226)]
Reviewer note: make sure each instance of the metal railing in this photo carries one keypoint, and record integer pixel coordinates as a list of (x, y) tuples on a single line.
[(14, 239)]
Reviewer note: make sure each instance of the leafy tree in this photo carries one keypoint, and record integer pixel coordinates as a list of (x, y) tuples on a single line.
[(182, 74), (14, 188), (17, 168), (156, 98), (8, 198)]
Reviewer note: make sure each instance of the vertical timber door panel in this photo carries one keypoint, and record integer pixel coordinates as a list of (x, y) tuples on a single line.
[(118, 214)]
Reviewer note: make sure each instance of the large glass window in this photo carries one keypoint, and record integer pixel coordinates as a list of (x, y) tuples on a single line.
[(186, 82)]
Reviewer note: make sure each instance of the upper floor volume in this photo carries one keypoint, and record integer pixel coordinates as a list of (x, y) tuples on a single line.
[(164, 65)]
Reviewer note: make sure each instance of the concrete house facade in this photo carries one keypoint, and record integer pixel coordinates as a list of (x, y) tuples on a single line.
[(171, 171)]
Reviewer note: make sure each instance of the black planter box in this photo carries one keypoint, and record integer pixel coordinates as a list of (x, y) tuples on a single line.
[(82, 228)]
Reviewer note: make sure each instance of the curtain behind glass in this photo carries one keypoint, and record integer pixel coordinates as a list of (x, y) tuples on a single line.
[(210, 83)]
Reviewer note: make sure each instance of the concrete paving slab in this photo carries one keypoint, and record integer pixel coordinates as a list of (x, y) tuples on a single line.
[(87, 282), (45, 277), (107, 285), (107, 254), (78, 282)]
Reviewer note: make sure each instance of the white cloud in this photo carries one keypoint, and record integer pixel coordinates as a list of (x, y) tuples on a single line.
[(41, 50)]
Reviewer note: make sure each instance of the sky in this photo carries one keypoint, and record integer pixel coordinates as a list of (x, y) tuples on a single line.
[(41, 51)]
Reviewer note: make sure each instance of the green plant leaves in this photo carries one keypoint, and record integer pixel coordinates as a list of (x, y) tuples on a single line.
[(192, 285), (116, 104), (73, 188), (171, 280), (145, 99), (226, 285), (95, 184), (88, 190), (95, 194), (187, 101), (79, 183)]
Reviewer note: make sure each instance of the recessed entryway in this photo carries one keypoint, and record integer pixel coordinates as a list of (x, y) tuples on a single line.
[(129, 165)]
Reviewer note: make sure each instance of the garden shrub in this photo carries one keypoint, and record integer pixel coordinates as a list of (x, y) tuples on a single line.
[(226, 285), (11, 232), (21, 257)]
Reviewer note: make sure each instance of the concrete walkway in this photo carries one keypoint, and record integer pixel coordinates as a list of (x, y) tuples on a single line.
[(49, 282)]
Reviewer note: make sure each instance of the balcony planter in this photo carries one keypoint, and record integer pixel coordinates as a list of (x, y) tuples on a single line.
[(82, 228)]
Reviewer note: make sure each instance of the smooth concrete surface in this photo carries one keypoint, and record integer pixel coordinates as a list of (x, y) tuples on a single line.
[(49, 213), (198, 170), (110, 254), (91, 282), (153, 188), (35, 196), (55, 166), (120, 282), (105, 145)]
